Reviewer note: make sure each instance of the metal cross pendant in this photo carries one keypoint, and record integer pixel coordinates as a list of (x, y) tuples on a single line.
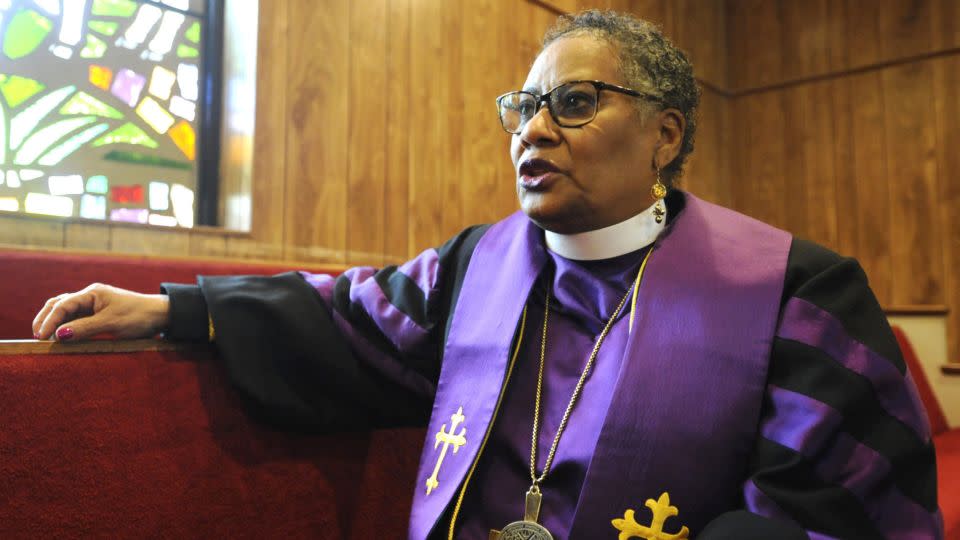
[(447, 439), (528, 529)]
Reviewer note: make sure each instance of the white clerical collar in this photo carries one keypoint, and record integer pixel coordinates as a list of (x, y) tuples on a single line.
[(619, 239)]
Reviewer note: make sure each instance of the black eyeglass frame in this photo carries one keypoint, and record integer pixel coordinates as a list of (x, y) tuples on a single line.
[(544, 99)]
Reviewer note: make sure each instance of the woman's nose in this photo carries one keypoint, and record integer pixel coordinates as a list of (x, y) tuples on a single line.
[(541, 129)]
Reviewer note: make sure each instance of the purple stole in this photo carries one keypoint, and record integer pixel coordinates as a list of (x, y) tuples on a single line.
[(685, 409)]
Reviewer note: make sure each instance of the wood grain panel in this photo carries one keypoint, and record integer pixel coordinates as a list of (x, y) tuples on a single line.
[(838, 56), (789, 40), (366, 167), (707, 173), (27, 231), (823, 200), (873, 184), (912, 168), (154, 241), (809, 164), (659, 12), (795, 135), (862, 33), (754, 30), (207, 243), (616, 5), (565, 6), (761, 185), (430, 59), (805, 27), (845, 178), (317, 150), (514, 35), (737, 153), (399, 132), (87, 236), (946, 87), (32, 346), (945, 15), (485, 146), (450, 110), (700, 30), (905, 27)]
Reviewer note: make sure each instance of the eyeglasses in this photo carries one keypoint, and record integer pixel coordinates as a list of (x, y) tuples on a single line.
[(572, 104)]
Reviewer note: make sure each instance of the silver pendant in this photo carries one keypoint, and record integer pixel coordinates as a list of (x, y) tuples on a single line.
[(525, 530), (528, 529)]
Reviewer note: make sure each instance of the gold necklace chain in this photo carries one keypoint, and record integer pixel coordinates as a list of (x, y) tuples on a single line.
[(576, 391)]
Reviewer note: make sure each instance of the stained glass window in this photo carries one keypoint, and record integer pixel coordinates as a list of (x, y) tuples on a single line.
[(101, 103)]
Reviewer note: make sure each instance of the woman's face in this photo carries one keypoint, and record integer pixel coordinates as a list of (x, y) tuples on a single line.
[(572, 180)]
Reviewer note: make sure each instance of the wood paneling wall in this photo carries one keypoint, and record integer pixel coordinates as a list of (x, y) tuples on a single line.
[(775, 41), (845, 131), (376, 132)]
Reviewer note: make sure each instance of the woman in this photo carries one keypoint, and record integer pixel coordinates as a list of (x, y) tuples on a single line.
[(600, 364)]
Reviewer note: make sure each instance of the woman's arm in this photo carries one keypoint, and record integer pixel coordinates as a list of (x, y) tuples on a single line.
[(356, 351), (844, 448), (306, 351)]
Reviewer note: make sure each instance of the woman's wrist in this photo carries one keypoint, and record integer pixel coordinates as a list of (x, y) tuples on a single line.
[(158, 313)]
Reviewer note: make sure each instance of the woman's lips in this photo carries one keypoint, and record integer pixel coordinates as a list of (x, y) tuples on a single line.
[(537, 174), (538, 182)]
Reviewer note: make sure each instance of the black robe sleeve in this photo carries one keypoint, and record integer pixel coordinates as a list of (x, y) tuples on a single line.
[(317, 353), (844, 447)]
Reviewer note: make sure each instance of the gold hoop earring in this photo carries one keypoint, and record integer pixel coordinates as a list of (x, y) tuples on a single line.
[(658, 191)]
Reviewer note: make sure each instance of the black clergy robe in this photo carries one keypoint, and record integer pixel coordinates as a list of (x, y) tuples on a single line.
[(839, 446)]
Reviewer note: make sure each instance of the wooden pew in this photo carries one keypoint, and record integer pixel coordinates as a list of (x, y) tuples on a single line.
[(143, 439)]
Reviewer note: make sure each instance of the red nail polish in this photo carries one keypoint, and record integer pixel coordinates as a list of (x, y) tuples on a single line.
[(36, 335), (64, 334)]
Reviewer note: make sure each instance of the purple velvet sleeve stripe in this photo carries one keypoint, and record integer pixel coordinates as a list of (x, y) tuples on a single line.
[(322, 283), (807, 426), (405, 334), (423, 271), (758, 503), (806, 323), (374, 357)]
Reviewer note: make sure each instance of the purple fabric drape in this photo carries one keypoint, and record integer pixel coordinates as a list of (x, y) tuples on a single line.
[(684, 406)]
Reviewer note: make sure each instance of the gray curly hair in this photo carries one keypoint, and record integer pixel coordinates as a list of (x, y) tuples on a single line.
[(648, 61)]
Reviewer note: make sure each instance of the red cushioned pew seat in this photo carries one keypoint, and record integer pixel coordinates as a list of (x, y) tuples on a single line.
[(152, 444), (946, 441), (948, 480)]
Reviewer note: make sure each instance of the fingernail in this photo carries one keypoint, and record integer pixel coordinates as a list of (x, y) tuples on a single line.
[(64, 334), (36, 335)]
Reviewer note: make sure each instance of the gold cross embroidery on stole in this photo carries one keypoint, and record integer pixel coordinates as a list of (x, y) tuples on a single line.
[(629, 528), (447, 438)]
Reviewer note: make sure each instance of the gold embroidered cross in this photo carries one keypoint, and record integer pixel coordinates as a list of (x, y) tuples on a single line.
[(661, 508), (447, 439)]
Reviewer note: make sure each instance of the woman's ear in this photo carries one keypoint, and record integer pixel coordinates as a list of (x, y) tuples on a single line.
[(670, 136)]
